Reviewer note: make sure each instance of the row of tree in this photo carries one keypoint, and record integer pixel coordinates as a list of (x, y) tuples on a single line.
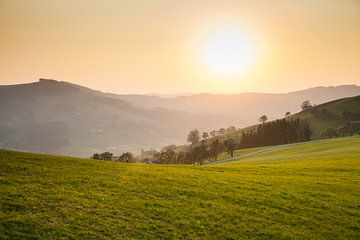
[(323, 113), (280, 131), (348, 129), (194, 136), (277, 132), (351, 116), (107, 156)]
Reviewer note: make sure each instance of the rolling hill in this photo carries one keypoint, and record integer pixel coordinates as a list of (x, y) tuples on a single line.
[(335, 118), (307, 191), (245, 108), (62, 118)]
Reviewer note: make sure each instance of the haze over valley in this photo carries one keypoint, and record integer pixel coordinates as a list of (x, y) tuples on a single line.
[(58, 117)]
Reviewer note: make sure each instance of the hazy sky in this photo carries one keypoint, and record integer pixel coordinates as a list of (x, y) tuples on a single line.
[(142, 46)]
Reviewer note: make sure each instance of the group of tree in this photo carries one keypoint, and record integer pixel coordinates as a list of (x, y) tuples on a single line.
[(196, 153), (351, 115), (194, 136), (323, 113), (102, 156), (281, 131), (348, 129), (107, 156)]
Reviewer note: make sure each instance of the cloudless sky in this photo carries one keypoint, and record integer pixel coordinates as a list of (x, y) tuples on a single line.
[(142, 46)]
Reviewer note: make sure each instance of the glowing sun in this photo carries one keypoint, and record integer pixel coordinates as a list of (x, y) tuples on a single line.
[(228, 51)]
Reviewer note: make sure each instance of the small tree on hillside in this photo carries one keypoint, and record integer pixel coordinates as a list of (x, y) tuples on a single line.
[(199, 153), (96, 156), (263, 119), (230, 146), (194, 136), (287, 114), (306, 105), (215, 148)]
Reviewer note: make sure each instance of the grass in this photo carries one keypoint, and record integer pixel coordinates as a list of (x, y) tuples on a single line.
[(309, 191)]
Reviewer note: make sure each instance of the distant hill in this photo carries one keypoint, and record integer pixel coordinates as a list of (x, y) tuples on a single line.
[(245, 108), (63, 118)]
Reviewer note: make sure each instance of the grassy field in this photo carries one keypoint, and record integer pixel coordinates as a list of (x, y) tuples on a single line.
[(309, 191)]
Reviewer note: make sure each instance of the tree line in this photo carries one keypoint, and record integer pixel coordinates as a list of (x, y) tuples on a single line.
[(107, 156), (281, 131)]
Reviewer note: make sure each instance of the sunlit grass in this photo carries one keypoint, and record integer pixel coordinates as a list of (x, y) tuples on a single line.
[(305, 191)]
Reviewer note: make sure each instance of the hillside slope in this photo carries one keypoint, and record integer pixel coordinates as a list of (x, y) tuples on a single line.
[(309, 191), (61, 118), (319, 123)]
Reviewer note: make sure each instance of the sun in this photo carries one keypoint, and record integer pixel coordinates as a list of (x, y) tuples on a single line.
[(228, 51)]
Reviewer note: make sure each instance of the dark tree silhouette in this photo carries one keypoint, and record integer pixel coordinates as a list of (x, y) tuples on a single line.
[(215, 148), (287, 114), (263, 119), (306, 105), (277, 132), (194, 136), (230, 146), (127, 157), (105, 156)]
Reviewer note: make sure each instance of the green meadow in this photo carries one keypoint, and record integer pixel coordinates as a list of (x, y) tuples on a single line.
[(305, 191)]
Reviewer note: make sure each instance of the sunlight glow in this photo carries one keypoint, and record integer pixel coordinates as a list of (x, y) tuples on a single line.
[(228, 51)]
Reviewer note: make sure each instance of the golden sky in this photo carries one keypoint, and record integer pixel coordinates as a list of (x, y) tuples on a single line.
[(143, 46)]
